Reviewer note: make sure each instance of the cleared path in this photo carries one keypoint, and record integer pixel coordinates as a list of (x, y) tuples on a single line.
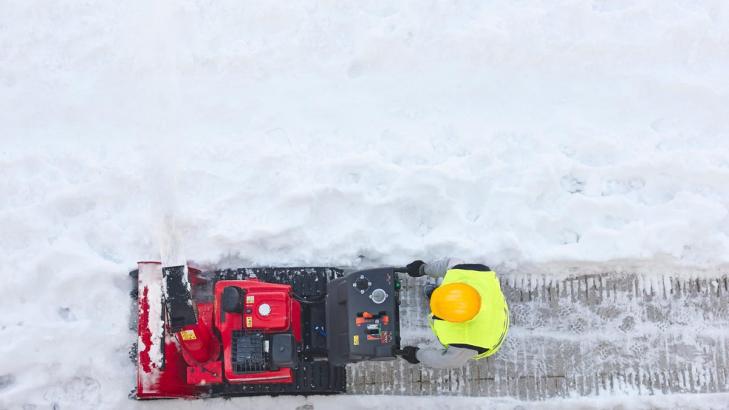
[(584, 335)]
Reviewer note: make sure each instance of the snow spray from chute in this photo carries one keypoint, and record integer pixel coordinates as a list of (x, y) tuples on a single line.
[(170, 242)]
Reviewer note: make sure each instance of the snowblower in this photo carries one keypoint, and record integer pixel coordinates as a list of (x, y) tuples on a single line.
[(259, 331)]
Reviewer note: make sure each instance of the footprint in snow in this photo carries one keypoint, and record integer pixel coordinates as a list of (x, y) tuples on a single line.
[(6, 380), (572, 184), (66, 314)]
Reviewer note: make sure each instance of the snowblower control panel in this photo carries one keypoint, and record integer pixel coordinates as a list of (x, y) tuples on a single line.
[(362, 315)]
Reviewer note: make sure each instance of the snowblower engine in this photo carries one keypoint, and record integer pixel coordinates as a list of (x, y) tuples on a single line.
[(259, 331)]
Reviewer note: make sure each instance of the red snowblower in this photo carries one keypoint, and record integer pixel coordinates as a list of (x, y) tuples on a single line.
[(259, 331)]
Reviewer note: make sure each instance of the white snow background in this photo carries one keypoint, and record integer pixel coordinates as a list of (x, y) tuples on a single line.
[(515, 133)]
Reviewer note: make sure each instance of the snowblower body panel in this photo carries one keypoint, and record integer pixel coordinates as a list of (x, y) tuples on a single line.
[(247, 331)]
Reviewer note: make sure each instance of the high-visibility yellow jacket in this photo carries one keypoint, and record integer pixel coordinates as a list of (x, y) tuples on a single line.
[(486, 331)]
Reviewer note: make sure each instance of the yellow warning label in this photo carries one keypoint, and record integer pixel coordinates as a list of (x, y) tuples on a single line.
[(249, 321), (355, 340), (188, 335), (250, 299)]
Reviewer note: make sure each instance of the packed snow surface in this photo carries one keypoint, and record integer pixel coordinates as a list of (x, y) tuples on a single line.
[(345, 133)]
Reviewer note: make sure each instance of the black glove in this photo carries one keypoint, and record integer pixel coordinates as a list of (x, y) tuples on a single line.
[(416, 269), (409, 353)]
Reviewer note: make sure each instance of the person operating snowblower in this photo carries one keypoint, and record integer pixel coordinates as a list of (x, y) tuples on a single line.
[(469, 314)]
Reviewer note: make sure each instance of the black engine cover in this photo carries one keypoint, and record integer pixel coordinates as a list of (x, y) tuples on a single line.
[(248, 352)]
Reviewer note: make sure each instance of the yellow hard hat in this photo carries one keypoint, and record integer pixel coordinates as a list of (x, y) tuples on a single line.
[(455, 302)]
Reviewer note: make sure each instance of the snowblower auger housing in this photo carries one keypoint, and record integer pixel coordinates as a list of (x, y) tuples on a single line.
[(259, 331)]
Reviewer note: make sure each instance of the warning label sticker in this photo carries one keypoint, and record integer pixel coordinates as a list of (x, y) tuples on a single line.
[(355, 340), (188, 335), (249, 321), (250, 299)]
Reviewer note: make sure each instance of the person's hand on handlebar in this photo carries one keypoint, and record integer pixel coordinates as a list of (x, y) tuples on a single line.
[(409, 353), (416, 268)]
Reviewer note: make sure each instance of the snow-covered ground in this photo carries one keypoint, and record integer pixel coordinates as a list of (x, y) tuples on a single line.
[(340, 133)]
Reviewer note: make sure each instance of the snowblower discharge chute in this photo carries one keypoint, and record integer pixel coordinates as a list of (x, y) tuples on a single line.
[(259, 331)]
